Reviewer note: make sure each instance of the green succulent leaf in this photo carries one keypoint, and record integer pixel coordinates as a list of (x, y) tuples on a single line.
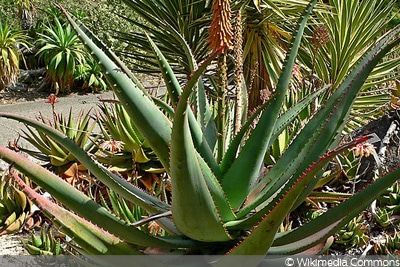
[(189, 183), (319, 229), (238, 180), (91, 238), (76, 201), (148, 118)]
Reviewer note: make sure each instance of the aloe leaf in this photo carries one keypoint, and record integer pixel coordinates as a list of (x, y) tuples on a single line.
[(34, 139), (325, 125), (76, 201), (202, 107), (217, 192), (171, 82), (283, 121), (238, 181), (189, 184), (271, 216), (150, 121), (91, 238), (190, 190), (130, 128), (83, 130), (197, 127), (317, 230), (107, 118), (291, 189), (70, 131)]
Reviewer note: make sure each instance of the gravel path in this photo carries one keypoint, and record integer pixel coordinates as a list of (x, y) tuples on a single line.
[(12, 245)]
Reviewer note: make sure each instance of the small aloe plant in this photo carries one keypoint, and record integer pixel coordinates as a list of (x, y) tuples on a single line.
[(388, 244), (43, 244), (123, 145), (48, 151), (222, 203), (391, 198), (15, 207), (354, 234)]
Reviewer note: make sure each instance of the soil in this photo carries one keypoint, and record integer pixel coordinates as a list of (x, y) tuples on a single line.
[(20, 93)]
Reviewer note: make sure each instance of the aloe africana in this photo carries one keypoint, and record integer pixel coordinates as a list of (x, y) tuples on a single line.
[(209, 209)]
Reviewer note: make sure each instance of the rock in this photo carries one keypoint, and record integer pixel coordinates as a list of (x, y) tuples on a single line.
[(387, 128)]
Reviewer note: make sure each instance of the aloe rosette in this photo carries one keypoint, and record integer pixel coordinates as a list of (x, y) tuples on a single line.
[(15, 207), (211, 211)]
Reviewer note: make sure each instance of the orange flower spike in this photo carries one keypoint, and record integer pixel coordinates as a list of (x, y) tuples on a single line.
[(221, 29)]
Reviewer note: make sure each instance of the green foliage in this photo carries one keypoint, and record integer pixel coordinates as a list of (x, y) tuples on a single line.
[(10, 40), (171, 23), (62, 51), (43, 244), (14, 206), (383, 217), (26, 13), (52, 153), (354, 233), (391, 198), (222, 202), (90, 76), (352, 28), (123, 146), (389, 244), (393, 243)]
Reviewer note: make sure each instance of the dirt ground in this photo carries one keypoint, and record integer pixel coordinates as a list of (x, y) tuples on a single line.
[(11, 96)]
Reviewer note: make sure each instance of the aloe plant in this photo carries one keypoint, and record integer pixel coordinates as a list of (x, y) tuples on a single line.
[(43, 244), (15, 207), (225, 206), (354, 233), (49, 151), (391, 198), (123, 146), (56, 157)]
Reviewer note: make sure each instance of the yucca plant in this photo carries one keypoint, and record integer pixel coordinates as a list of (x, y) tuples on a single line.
[(10, 39), (211, 211), (339, 40), (62, 51)]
